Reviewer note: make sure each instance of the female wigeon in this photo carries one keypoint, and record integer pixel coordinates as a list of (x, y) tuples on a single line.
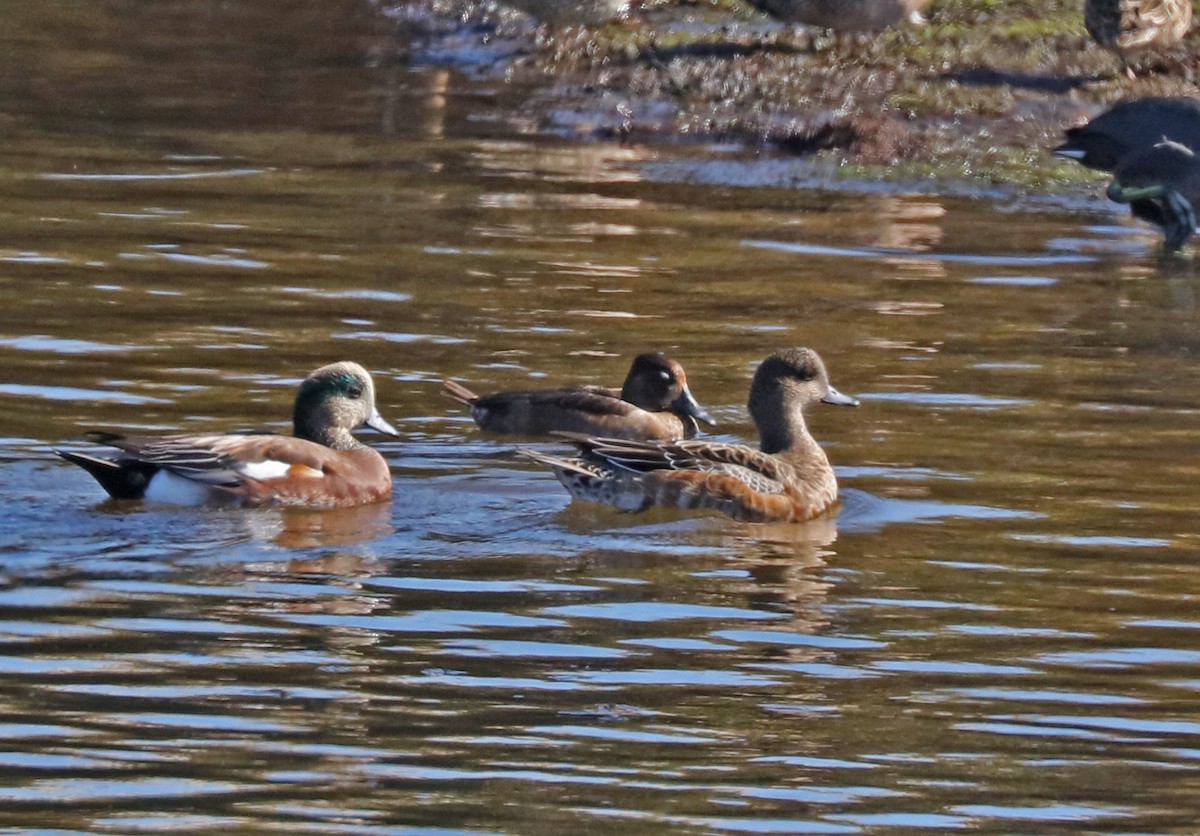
[(321, 465), (654, 403), (788, 479)]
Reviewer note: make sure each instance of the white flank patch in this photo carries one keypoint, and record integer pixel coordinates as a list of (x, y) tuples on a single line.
[(176, 490), (268, 469)]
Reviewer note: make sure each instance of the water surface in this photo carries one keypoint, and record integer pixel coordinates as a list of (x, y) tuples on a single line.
[(203, 202)]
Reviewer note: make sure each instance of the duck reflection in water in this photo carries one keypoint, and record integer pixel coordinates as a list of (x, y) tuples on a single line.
[(303, 528)]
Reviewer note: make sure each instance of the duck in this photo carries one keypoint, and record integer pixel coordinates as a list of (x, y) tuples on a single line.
[(1132, 125), (844, 15), (322, 465), (787, 478), (654, 403), (1161, 184), (1131, 26)]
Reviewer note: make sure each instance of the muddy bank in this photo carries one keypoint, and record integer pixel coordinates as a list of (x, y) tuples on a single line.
[(976, 96)]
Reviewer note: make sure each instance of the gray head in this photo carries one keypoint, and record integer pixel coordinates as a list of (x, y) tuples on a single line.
[(334, 400), (656, 383), (785, 383)]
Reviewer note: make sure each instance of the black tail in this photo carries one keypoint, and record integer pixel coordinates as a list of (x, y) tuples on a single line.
[(124, 479)]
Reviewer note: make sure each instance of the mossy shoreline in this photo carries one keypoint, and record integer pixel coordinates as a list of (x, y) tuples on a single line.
[(978, 95)]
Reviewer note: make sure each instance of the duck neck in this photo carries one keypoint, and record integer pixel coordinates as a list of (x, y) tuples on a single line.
[(789, 436), (324, 429)]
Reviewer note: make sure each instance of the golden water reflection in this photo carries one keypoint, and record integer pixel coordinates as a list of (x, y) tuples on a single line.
[(197, 214)]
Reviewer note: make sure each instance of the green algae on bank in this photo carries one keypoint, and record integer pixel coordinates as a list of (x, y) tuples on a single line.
[(981, 92)]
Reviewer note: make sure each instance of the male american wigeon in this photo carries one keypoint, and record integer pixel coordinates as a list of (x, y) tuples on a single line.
[(1131, 26), (844, 15), (1161, 184), (1131, 126), (321, 465), (654, 403), (788, 479)]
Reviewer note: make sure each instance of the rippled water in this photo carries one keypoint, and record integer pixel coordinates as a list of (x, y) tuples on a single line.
[(205, 201)]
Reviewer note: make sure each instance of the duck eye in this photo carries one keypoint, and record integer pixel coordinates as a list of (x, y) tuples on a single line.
[(667, 376), (354, 391)]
